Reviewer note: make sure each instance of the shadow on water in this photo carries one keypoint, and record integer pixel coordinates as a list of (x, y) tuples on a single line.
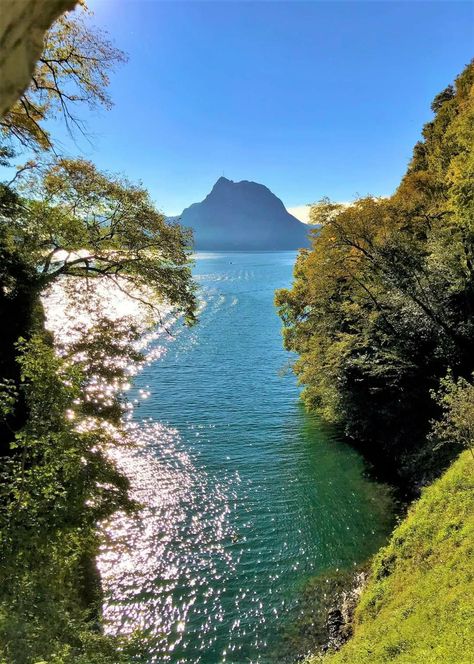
[(351, 516)]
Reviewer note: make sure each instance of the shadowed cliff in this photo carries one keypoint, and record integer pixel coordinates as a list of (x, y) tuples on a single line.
[(243, 215)]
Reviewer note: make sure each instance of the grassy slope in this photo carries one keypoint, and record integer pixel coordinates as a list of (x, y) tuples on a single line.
[(418, 607)]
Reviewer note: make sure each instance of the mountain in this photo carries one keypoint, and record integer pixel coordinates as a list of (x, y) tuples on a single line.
[(243, 215)]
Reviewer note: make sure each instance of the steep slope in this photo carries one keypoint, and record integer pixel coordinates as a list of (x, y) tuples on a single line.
[(243, 215), (417, 606)]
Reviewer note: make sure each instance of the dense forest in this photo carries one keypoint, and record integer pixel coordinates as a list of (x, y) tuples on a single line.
[(62, 221), (381, 312)]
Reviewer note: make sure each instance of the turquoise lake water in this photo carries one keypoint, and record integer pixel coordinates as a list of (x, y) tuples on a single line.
[(245, 496)]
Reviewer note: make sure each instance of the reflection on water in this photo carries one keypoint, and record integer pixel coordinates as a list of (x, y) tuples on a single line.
[(173, 555), (244, 497)]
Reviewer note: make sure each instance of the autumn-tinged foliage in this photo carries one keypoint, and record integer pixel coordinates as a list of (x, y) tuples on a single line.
[(64, 222), (76, 225), (383, 305), (72, 71), (381, 314), (83, 224)]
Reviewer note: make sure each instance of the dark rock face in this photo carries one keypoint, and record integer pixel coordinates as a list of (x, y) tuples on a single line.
[(340, 617), (335, 623), (243, 216)]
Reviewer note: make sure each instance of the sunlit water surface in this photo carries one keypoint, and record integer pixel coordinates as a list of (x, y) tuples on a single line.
[(245, 497)]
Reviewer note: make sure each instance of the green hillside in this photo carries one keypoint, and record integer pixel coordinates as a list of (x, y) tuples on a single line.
[(418, 605)]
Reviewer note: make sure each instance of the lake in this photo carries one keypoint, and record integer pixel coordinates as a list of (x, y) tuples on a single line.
[(244, 496)]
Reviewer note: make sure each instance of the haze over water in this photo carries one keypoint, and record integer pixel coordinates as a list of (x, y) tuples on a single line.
[(245, 496)]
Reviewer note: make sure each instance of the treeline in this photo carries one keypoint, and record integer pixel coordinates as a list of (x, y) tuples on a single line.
[(381, 311), (64, 222)]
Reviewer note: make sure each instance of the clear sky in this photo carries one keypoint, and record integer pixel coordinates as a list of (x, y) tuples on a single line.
[(309, 98)]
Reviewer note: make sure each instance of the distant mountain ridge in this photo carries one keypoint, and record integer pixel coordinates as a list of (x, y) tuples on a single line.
[(243, 216)]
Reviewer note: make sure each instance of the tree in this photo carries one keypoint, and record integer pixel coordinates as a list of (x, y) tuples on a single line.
[(60, 403), (456, 425), (383, 304), (73, 70), (58, 484), (61, 407), (84, 225)]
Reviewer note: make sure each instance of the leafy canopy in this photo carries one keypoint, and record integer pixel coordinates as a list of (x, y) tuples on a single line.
[(72, 71), (383, 304), (67, 225), (84, 224)]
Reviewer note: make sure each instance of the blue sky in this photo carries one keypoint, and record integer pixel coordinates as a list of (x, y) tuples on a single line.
[(309, 98)]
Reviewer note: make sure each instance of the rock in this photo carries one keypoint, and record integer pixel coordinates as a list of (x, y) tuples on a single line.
[(335, 622), (339, 619)]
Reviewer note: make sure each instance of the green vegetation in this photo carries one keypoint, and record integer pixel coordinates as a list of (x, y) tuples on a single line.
[(456, 426), (382, 307), (64, 222), (381, 313), (417, 606), (57, 483), (73, 70)]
